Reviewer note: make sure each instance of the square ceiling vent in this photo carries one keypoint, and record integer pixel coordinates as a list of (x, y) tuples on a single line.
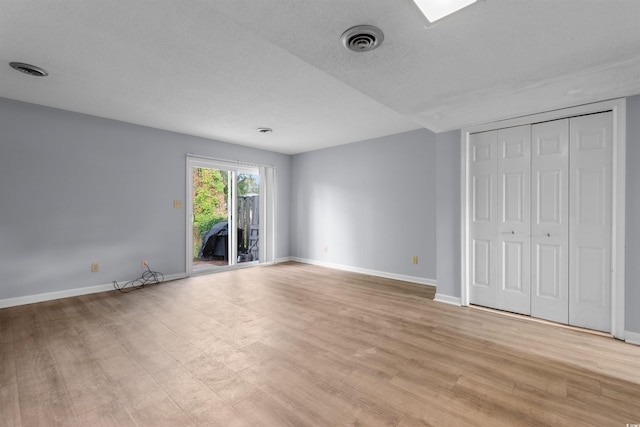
[(438, 9)]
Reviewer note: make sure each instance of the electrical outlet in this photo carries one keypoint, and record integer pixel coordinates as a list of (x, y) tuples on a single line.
[(144, 263), (325, 249), (177, 204), (95, 267), (414, 259)]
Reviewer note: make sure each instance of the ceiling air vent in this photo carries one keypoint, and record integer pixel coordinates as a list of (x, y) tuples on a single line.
[(362, 38), (29, 69)]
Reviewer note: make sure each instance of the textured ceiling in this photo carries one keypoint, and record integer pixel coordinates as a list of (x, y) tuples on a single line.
[(220, 69)]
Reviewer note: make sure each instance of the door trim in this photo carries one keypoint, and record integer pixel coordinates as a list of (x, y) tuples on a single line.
[(618, 109), (235, 168)]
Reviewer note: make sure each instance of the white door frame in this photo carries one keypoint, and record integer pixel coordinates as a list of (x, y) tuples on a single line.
[(618, 108), (235, 168)]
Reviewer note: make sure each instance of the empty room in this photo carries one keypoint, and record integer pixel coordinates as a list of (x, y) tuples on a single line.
[(319, 213)]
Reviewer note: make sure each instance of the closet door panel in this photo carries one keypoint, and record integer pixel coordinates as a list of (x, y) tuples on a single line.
[(514, 164), (484, 218), (549, 271), (550, 220), (590, 221)]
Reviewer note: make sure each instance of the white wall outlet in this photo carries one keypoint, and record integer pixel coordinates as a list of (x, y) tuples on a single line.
[(325, 249), (144, 263), (177, 204), (95, 267), (414, 259)]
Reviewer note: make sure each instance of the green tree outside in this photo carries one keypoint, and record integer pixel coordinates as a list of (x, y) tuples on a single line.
[(210, 195), (248, 184), (210, 191)]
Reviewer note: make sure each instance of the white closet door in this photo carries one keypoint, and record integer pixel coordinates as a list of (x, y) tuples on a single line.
[(484, 218), (549, 225), (514, 194), (590, 221)]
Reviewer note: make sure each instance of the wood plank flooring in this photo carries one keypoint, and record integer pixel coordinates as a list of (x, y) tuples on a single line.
[(299, 345)]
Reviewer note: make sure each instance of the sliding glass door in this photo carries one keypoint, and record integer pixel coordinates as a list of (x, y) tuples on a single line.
[(224, 220)]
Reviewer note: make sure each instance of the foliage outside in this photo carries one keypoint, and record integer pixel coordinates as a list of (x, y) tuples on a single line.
[(248, 184), (210, 195)]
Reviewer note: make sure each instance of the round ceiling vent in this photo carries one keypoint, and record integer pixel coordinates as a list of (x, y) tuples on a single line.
[(29, 69), (362, 38)]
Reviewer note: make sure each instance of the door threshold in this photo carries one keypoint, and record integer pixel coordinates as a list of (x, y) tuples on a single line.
[(538, 320), (222, 268)]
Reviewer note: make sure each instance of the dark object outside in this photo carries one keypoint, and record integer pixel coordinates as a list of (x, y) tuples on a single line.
[(215, 242)]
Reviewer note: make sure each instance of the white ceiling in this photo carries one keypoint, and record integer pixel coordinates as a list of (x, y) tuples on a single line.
[(220, 69)]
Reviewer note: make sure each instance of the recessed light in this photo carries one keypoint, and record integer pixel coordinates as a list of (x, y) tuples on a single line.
[(29, 69), (264, 130)]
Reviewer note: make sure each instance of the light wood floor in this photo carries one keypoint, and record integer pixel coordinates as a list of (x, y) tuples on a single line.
[(299, 345)]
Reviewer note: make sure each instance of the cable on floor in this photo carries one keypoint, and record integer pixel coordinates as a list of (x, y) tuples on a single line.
[(148, 278)]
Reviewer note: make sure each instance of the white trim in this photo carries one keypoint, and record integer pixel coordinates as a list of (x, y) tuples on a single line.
[(232, 168), (272, 217), (262, 246), (447, 299), (67, 293), (232, 217), (563, 113), (618, 108), (464, 215), (404, 278), (221, 268), (188, 266), (618, 226), (227, 161), (283, 259), (632, 337)]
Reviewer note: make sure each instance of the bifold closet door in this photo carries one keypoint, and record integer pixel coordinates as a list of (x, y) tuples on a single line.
[(484, 218), (514, 195), (590, 221), (500, 211), (550, 222), (520, 222), (541, 220)]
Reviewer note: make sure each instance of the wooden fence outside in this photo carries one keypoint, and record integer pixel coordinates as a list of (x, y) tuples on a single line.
[(248, 221)]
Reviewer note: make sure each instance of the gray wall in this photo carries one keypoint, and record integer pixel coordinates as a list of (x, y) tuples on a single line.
[(632, 256), (448, 154), (371, 203), (77, 189), (346, 198)]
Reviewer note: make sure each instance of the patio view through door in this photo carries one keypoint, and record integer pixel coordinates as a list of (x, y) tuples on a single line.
[(225, 215)]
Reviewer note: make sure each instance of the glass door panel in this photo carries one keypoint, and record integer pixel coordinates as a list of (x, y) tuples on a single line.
[(210, 224), (248, 216)]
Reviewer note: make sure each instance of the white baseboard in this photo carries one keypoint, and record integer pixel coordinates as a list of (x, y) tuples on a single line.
[(386, 275), (284, 259), (632, 337), (49, 296), (447, 299)]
